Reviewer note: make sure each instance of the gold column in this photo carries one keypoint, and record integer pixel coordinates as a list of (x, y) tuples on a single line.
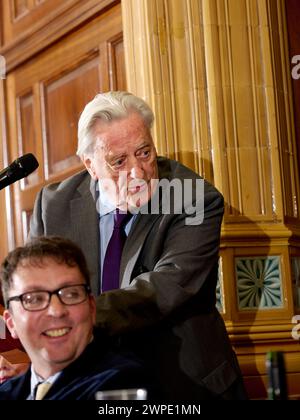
[(217, 75), (165, 62)]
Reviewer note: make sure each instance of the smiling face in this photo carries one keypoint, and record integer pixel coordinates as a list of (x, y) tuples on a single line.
[(56, 336), (124, 161)]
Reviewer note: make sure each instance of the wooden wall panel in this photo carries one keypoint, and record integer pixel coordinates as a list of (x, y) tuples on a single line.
[(65, 98), (46, 96), (116, 63), (19, 8), (26, 132), (45, 23), (58, 54), (20, 15), (1, 24), (4, 195)]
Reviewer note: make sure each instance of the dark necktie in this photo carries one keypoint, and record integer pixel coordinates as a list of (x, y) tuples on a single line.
[(112, 260)]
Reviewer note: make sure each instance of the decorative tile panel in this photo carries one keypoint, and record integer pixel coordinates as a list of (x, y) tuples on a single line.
[(219, 289), (296, 280), (259, 284)]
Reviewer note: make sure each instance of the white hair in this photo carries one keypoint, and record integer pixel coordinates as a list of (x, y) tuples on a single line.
[(107, 107)]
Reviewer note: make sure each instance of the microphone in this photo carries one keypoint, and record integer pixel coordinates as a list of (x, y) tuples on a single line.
[(18, 169)]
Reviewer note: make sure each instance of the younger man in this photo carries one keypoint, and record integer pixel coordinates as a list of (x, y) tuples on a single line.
[(49, 307)]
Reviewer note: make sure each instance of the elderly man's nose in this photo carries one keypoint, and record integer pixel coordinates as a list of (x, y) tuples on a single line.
[(136, 169)]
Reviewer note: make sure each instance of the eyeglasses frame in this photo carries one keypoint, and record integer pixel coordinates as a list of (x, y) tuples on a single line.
[(50, 294)]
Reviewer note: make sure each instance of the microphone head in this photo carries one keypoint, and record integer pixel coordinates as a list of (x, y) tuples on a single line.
[(20, 168), (24, 165)]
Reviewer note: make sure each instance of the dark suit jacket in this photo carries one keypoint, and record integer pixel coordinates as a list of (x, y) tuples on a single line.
[(95, 370), (165, 309)]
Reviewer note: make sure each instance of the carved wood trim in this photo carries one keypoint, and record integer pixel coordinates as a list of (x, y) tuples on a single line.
[(1, 26), (111, 46), (15, 13), (50, 29), (7, 229)]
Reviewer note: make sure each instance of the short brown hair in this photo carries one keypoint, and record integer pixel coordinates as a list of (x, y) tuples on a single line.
[(61, 250)]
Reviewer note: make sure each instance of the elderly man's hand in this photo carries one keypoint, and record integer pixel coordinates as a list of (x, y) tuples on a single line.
[(7, 370)]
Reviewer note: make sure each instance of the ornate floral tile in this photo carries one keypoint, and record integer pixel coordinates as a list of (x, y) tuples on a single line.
[(259, 284)]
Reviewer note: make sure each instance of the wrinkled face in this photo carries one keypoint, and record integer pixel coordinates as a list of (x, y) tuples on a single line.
[(57, 335), (124, 161)]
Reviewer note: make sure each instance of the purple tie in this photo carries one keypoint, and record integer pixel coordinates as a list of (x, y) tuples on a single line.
[(112, 260)]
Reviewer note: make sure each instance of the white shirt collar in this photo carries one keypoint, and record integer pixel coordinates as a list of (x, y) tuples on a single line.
[(36, 379)]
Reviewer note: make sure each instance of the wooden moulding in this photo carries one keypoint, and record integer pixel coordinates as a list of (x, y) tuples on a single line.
[(50, 28)]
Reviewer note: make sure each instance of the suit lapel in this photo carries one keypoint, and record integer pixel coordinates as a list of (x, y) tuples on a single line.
[(83, 212), (74, 374), (20, 387)]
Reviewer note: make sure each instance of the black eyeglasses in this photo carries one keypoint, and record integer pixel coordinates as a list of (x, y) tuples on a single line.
[(38, 300)]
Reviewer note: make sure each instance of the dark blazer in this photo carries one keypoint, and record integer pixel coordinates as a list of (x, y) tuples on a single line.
[(165, 307), (93, 371)]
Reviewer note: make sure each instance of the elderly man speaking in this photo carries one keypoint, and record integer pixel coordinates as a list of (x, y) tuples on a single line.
[(154, 263)]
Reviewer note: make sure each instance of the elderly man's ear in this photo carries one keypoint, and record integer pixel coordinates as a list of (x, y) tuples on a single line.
[(8, 318), (87, 161)]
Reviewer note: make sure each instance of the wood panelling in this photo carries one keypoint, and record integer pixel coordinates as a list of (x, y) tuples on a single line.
[(58, 54), (45, 23), (26, 132), (20, 15), (65, 98), (46, 96), (4, 194), (20, 8), (1, 24), (116, 63)]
